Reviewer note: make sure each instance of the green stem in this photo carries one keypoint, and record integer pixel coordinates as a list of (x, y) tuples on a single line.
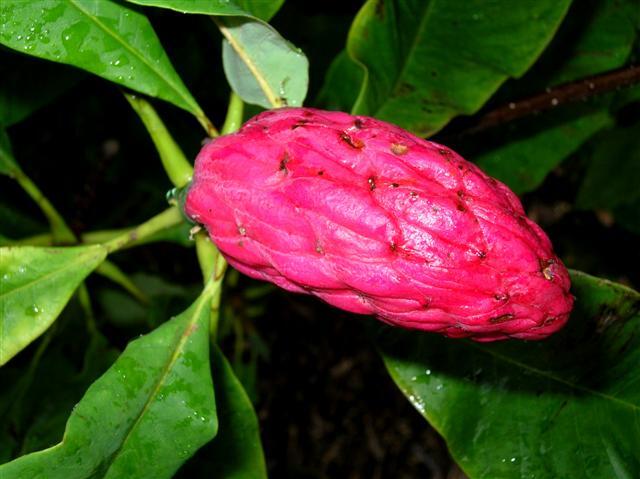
[(59, 229), (234, 114), (173, 160), (164, 220), (102, 236), (213, 266), (207, 125)]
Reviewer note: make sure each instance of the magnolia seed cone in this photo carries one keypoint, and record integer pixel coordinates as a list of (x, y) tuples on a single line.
[(375, 220)]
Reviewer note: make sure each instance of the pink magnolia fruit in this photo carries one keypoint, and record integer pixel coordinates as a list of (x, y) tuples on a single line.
[(375, 220)]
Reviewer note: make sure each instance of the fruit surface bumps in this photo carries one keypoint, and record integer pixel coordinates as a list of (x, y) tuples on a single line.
[(375, 220)]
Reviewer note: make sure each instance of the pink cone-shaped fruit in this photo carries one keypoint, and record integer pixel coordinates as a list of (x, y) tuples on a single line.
[(375, 220)]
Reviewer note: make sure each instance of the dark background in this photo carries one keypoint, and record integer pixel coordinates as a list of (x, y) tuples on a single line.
[(326, 406)]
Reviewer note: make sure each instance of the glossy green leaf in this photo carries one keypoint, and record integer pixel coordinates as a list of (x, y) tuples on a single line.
[(37, 397), (258, 8), (145, 416), (202, 7), (341, 85), (523, 162), (237, 449), (426, 62), (534, 148), (35, 285), (262, 9), (8, 165), (613, 175), (103, 37), (605, 38), (236, 452), (21, 91), (564, 407), (122, 311), (261, 66)]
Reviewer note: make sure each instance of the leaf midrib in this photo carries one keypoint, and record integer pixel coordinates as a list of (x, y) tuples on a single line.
[(553, 377), (160, 382), (6, 294), (236, 43), (138, 55)]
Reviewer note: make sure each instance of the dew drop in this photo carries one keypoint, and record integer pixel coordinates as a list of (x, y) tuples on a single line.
[(428, 372), (22, 269)]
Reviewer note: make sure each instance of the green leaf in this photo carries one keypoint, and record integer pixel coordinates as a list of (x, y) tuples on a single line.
[(114, 273), (341, 85), (236, 452), (201, 7), (524, 161), (261, 9), (564, 407), (256, 8), (261, 66), (35, 285), (105, 38), (426, 62), (122, 311), (604, 42), (612, 176), (145, 416), (38, 397), (8, 165), (21, 91), (17, 223)]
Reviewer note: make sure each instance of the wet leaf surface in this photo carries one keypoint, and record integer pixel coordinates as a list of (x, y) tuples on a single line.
[(564, 407)]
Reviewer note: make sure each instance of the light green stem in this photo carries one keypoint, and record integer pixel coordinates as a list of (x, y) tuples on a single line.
[(207, 125), (234, 114), (59, 229), (213, 266), (173, 160), (164, 220)]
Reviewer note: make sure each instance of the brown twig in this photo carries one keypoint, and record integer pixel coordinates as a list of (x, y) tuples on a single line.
[(557, 96)]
